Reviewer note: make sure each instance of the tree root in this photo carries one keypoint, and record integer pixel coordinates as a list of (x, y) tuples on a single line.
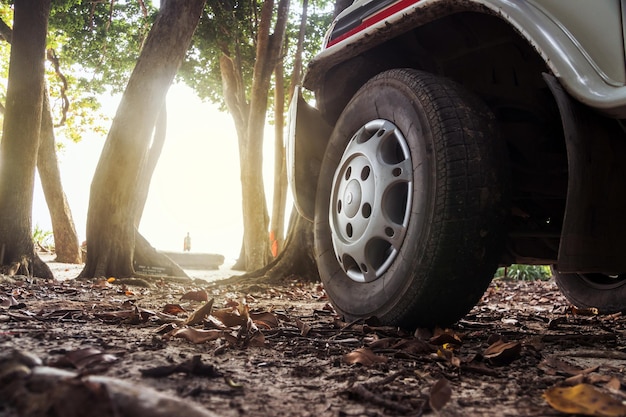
[(295, 261)]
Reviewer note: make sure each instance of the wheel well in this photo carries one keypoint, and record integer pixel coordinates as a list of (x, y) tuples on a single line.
[(488, 57), (478, 50)]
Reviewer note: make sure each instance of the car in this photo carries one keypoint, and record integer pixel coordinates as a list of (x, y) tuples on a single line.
[(449, 137)]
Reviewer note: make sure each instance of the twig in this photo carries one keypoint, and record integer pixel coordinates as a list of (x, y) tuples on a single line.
[(386, 380)]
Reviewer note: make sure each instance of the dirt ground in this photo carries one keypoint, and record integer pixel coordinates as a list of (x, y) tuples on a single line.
[(91, 348)]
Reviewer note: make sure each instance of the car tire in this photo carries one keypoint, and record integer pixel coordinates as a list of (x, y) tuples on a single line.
[(603, 292), (411, 203)]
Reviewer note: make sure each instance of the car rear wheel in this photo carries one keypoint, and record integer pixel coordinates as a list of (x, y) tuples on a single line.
[(411, 202), (607, 293)]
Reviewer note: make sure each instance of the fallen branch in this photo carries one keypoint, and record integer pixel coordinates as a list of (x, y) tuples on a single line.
[(36, 390)]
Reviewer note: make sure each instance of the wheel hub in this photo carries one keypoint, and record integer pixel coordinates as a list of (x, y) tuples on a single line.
[(371, 200), (352, 198)]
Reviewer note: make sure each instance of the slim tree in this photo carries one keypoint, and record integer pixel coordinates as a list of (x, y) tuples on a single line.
[(20, 137), (244, 41), (296, 257), (277, 220), (66, 244), (256, 222)]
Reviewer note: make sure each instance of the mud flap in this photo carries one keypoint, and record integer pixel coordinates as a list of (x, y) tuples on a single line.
[(593, 237), (307, 140)]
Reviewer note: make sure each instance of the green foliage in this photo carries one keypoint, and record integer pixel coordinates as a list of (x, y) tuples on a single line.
[(229, 28), (97, 45), (100, 40), (43, 238), (517, 272)]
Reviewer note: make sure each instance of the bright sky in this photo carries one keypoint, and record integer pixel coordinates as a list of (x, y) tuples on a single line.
[(196, 186)]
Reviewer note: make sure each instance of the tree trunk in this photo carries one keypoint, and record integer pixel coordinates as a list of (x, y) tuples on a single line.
[(158, 140), (249, 118), (66, 243), (255, 217), (20, 141), (296, 74), (145, 254), (280, 168), (297, 256), (238, 107), (277, 223), (296, 261), (113, 201)]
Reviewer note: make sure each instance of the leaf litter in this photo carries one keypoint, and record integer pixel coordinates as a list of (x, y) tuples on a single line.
[(283, 351)]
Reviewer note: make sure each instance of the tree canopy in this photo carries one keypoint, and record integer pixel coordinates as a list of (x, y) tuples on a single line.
[(230, 28)]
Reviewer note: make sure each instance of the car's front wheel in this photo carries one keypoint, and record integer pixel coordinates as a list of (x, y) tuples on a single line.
[(411, 202)]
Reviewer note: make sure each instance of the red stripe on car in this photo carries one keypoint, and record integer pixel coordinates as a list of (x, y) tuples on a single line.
[(372, 20)]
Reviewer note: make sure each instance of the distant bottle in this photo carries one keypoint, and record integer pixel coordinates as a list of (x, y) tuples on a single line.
[(187, 243)]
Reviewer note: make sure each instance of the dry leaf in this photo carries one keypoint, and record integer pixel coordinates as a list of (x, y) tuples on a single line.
[(173, 309), (440, 394), (196, 336), (503, 353), (364, 357), (199, 315), (198, 295), (265, 319), (231, 303), (384, 343), (86, 357), (165, 328), (257, 339), (101, 284), (303, 327), (584, 399), (9, 302), (231, 339), (229, 317), (614, 384), (447, 336), (214, 323)]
